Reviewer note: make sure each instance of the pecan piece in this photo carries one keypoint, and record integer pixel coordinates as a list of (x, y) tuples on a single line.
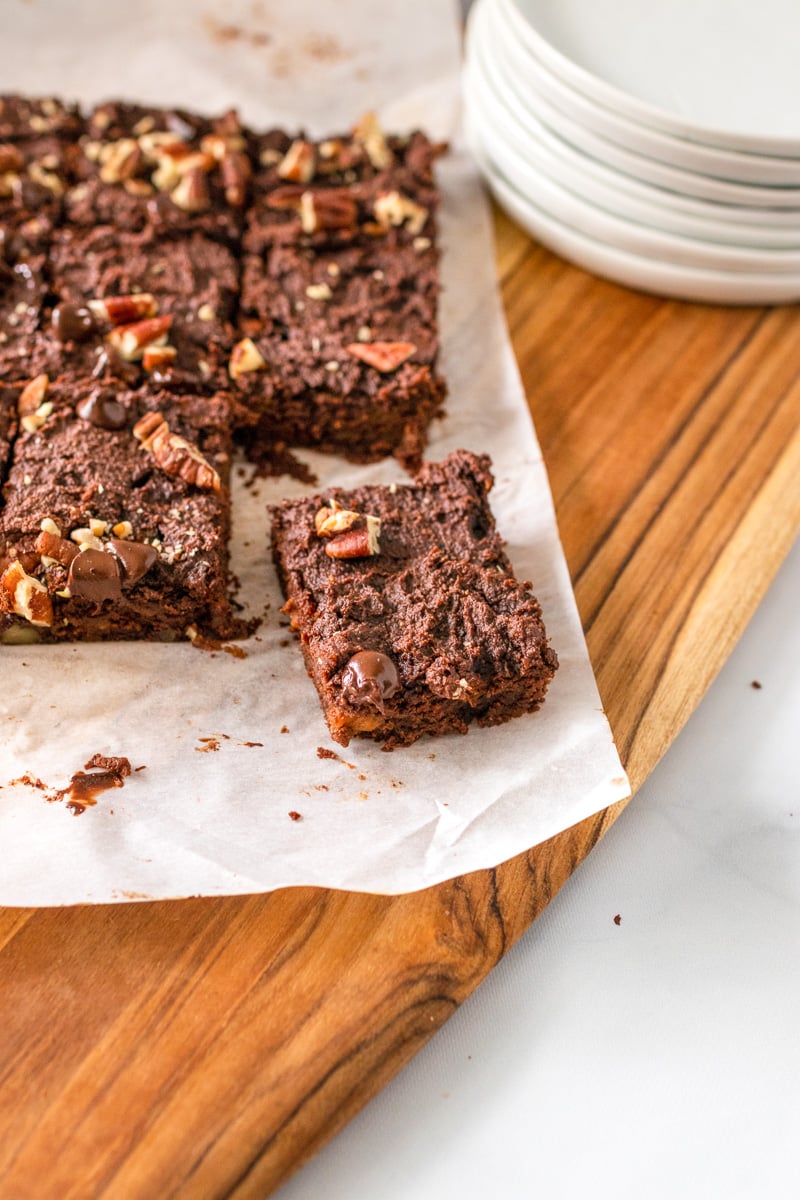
[(124, 310), (130, 341), (383, 356), (334, 208), (157, 358), (299, 162), (33, 395), (119, 160), (369, 133), (173, 454), (360, 541), (235, 167), (25, 596), (245, 357), (54, 547), (192, 193), (11, 161), (393, 208), (332, 519)]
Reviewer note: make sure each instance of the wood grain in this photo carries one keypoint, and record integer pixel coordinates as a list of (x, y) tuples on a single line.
[(206, 1048)]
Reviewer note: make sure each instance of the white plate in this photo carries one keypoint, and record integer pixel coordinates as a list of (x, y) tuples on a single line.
[(632, 270), (715, 71), (549, 196), (614, 192), (534, 79), (674, 179)]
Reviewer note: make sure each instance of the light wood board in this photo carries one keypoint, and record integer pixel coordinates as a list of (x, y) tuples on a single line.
[(206, 1048)]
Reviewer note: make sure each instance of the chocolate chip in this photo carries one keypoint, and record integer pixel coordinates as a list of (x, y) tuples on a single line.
[(135, 559), (369, 678), (94, 575), (73, 323), (102, 408)]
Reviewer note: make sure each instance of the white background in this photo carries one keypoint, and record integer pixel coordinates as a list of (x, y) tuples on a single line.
[(654, 1060)]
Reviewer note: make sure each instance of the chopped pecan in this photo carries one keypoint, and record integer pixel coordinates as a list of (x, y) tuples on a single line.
[(360, 541), (333, 208), (393, 208), (124, 310), (10, 160), (33, 395), (130, 341), (119, 160), (173, 454), (245, 357), (332, 519), (52, 546), (192, 194), (285, 197), (158, 357), (299, 162), (235, 167), (383, 356), (369, 133), (25, 596)]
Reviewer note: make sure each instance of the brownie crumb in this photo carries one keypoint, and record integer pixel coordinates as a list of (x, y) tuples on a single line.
[(617, 919), (755, 684), (284, 728), (322, 752), (296, 816)]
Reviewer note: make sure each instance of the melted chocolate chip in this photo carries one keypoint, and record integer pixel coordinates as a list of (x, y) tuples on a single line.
[(369, 678), (94, 575), (135, 559), (73, 323), (102, 408)]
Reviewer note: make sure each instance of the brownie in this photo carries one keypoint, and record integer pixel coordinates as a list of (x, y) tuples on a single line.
[(155, 168), (25, 117), (192, 278), (140, 480), (8, 426), (340, 286), (425, 631)]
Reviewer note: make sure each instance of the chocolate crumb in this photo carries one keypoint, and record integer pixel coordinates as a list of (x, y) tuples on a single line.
[(755, 684), (284, 728), (322, 752), (296, 816), (617, 919)]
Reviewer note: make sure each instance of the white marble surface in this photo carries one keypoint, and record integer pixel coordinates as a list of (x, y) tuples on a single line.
[(654, 1059)]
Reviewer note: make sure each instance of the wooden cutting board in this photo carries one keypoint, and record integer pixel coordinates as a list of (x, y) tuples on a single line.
[(206, 1048)]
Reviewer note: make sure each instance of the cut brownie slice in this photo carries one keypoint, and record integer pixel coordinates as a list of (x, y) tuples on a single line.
[(193, 279), (116, 516), (149, 167), (410, 618), (339, 294)]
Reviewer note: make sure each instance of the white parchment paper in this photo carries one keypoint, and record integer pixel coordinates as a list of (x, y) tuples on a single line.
[(204, 821)]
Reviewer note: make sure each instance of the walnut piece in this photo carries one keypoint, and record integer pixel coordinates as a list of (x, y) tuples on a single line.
[(383, 356), (245, 357)]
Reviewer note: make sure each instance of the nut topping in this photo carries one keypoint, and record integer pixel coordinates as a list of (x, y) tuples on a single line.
[(192, 193), (119, 160), (371, 136), (123, 310), (334, 519), (383, 356), (25, 596), (55, 548), (130, 341), (236, 172), (173, 454), (11, 161), (393, 208), (298, 163), (33, 395), (330, 209), (245, 357), (359, 541)]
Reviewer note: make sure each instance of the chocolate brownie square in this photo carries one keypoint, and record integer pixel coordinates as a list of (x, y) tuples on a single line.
[(25, 117), (410, 619), (115, 516), (339, 295), (192, 279), (147, 167)]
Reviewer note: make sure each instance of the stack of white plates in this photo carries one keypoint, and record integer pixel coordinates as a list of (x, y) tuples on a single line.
[(658, 145)]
